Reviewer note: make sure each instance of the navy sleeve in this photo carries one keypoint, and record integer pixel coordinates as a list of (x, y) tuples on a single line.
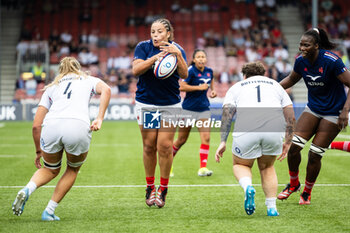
[(339, 67), (140, 52), (298, 66), (190, 75)]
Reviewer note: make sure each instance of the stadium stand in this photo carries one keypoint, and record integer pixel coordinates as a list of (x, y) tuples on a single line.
[(101, 33)]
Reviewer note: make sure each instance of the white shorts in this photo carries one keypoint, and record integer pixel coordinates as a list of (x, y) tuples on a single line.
[(333, 119), (254, 145), (71, 134), (168, 112), (187, 114)]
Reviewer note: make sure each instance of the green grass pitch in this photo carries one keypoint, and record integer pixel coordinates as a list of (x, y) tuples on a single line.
[(108, 195)]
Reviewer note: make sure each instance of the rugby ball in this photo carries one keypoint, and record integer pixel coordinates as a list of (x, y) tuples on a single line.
[(165, 67)]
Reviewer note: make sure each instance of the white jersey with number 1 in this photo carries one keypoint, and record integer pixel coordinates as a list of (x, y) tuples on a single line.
[(70, 98), (259, 102)]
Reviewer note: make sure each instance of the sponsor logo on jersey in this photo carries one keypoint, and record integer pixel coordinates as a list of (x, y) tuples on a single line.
[(205, 80), (313, 77)]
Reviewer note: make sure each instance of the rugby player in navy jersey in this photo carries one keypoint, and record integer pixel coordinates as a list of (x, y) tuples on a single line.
[(327, 109), (196, 106), (157, 96)]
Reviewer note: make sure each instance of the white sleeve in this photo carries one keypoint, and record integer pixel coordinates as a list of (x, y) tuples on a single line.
[(230, 97), (94, 82), (285, 99), (45, 100)]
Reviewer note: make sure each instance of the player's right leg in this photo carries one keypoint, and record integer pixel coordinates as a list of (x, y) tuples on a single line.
[(149, 141), (269, 182), (52, 165)]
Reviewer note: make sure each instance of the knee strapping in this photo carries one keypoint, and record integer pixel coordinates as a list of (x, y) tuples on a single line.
[(299, 141), (77, 164), (317, 149), (52, 165)]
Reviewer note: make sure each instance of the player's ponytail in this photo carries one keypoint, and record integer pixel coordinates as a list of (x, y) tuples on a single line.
[(68, 65), (321, 38)]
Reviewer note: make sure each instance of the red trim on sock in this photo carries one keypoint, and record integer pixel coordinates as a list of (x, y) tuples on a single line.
[(294, 178), (150, 181), (341, 146), (308, 186), (203, 154), (175, 150), (163, 183)]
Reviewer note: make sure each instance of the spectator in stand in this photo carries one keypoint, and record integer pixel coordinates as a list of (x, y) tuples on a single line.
[(235, 23), (37, 71), (283, 68), (102, 41), (84, 38), (123, 62), (64, 50), (327, 5), (175, 7), (22, 47), (85, 15), (86, 57), (281, 52), (150, 17), (30, 87), (66, 37), (123, 83), (342, 28), (93, 37), (245, 22)]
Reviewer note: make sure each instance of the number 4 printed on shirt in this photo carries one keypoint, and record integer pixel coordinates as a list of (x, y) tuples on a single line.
[(65, 91)]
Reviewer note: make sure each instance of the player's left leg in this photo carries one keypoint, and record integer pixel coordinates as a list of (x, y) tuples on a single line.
[(52, 166), (182, 137), (65, 183), (204, 133), (269, 182), (165, 140), (243, 173), (325, 134)]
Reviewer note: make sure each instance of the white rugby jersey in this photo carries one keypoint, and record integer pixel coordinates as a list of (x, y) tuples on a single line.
[(259, 101), (70, 98)]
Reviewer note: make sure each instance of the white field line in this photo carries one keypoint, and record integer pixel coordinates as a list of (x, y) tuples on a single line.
[(2, 125), (343, 136), (175, 186), (12, 156)]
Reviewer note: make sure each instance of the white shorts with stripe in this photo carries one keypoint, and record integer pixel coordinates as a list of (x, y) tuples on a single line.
[(73, 135), (252, 145)]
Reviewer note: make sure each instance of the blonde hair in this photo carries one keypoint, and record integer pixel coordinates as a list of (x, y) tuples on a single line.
[(68, 65)]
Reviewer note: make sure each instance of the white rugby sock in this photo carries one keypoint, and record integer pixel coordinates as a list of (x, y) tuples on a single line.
[(270, 202), (50, 208), (244, 182), (31, 187)]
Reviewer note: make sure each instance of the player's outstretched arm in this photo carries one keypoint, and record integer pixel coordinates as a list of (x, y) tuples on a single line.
[(184, 86), (288, 113), (140, 66), (105, 91), (36, 132), (226, 121)]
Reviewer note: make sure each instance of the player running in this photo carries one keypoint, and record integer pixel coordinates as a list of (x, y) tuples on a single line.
[(326, 112), (260, 103), (62, 123), (196, 106)]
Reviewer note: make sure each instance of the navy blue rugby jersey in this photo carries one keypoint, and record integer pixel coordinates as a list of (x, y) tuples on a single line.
[(197, 100), (326, 93), (151, 90)]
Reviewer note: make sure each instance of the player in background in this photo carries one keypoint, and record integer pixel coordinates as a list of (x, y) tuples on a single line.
[(196, 105), (326, 112), (262, 108), (160, 95), (62, 123)]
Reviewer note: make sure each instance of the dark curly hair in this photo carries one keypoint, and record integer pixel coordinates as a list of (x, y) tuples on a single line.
[(253, 68)]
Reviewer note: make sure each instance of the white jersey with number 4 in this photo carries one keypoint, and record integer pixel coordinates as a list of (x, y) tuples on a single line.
[(259, 101), (70, 98)]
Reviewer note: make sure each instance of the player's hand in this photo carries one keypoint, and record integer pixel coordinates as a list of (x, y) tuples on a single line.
[(159, 56), (343, 120), (203, 87), (96, 125), (213, 94), (169, 48), (220, 151), (285, 150), (37, 159)]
